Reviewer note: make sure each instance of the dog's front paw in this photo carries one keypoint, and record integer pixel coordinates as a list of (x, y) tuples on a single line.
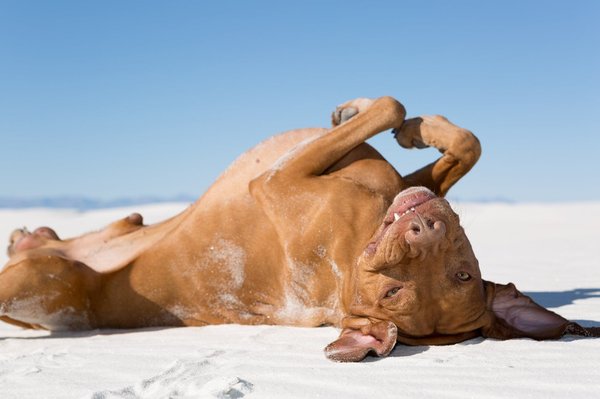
[(349, 109), (409, 135)]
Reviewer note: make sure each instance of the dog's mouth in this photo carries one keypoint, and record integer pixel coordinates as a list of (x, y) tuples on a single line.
[(405, 204)]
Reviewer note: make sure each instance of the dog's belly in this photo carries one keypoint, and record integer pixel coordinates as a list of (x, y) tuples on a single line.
[(228, 284), (227, 266)]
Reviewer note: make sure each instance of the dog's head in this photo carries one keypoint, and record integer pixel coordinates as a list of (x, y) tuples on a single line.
[(418, 282)]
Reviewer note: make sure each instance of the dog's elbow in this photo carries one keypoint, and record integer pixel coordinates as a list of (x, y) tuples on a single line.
[(468, 146)]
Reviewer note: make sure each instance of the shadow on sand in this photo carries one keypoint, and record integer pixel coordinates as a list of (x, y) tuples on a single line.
[(561, 298)]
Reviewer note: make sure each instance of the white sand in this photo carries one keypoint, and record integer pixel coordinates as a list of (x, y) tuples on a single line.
[(549, 251)]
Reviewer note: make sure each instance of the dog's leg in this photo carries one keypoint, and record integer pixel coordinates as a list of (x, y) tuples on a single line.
[(294, 182), (460, 149), (313, 158), (48, 292)]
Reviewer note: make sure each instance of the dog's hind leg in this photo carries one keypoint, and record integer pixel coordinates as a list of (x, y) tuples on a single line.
[(460, 149), (48, 292)]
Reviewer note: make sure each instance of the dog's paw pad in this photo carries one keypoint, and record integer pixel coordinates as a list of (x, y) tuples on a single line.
[(350, 109), (342, 114), (408, 141), (409, 134)]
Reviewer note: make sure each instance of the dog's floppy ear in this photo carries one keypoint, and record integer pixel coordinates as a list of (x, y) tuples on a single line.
[(361, 336), (514, 315)]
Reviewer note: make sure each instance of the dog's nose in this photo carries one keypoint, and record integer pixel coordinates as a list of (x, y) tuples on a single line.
[(424, 236)]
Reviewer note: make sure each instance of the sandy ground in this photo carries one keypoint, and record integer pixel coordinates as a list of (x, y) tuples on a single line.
[(548, 250)]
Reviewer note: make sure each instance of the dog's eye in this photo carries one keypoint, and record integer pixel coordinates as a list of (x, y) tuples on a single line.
[(463, 276), (392, 292)]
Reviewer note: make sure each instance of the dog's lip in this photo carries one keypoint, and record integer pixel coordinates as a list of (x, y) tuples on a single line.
[(407, 201)]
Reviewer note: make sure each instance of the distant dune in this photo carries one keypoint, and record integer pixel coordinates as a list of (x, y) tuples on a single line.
[(85, 203)]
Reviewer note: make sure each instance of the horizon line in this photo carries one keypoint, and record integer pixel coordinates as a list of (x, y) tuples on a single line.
[(86, 203)]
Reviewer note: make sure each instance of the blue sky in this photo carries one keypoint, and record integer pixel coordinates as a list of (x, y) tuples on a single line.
[(128, 98)]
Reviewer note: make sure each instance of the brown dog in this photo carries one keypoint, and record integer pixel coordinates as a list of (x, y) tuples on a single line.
[(312, 227)]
